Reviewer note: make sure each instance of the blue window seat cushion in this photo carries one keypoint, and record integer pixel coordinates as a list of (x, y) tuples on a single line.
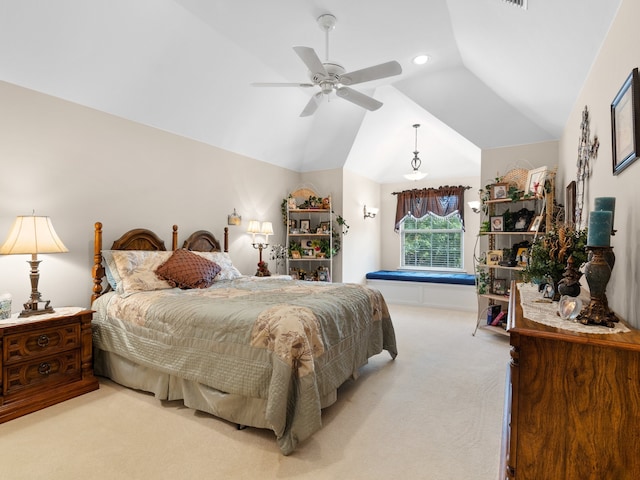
[(429, 277)]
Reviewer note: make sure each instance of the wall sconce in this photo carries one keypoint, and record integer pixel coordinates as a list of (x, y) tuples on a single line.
[(474, 205), (265, 229), (34, 235), (370, 212), (234, 218)]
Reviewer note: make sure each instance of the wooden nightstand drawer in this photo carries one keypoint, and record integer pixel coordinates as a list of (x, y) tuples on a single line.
[(46, 372), (48, 341), (44, 360)]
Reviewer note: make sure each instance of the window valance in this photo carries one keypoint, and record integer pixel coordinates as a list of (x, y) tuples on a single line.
[(440, 201)]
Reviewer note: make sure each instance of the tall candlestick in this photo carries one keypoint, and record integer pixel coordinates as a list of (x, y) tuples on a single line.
[(606, 204), (599, 231)]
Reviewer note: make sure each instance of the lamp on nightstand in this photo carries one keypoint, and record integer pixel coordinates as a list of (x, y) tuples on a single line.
[(265, 229), (33, 235)]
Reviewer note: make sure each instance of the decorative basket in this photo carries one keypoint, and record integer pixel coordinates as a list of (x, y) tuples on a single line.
[(516, 177)]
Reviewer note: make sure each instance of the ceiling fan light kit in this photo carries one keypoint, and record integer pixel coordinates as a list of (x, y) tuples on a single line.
[(415, 174), (332, 77)]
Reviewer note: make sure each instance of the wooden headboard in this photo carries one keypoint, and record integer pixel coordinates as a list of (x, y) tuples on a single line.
[(143, 239)]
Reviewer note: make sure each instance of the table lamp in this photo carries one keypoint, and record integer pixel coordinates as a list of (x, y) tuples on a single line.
[(265, 229), (32, 235)]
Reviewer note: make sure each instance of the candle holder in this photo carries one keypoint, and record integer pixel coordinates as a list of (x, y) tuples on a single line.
[(597, 271)]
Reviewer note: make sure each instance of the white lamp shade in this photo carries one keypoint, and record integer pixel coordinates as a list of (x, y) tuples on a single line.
[(267, 228), (254, 226), (31, 234)]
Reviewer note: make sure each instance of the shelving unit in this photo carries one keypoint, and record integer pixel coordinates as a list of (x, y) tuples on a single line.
[(309, 236), (501, 240)]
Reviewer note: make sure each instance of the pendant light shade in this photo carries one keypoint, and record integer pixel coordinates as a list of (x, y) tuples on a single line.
[(415, 174)]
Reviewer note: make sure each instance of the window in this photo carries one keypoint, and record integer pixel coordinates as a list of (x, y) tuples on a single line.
[(432, 242)]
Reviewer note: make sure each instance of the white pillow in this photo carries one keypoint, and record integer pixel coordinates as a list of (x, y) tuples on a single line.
[(227, 270), (137, 270)]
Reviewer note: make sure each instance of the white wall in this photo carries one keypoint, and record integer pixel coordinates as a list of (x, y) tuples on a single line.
[(618, 56), (390, 240), (362, 243), (79, 166)]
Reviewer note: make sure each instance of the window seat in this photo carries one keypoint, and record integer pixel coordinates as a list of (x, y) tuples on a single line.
[(451, 291), (429, 277)]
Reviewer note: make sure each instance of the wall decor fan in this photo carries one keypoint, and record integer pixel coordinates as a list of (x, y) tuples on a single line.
[(332, 77)]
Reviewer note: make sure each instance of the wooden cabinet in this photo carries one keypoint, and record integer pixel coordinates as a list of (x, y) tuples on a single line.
[(44, 361), (572, 403)]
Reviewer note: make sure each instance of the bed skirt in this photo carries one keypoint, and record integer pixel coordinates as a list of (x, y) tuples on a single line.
[(244, 411)]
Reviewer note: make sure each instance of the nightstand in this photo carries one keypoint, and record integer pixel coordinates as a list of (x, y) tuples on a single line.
[(45, 360)]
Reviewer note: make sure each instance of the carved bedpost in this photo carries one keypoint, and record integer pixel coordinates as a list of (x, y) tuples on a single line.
[(98, 270), (174, 238), (226, 239)]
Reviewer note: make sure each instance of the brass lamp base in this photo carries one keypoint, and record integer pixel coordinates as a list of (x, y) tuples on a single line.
[(31, 308)]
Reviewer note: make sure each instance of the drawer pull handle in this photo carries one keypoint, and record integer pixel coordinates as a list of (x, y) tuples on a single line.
[(43, 341), (44, 368)]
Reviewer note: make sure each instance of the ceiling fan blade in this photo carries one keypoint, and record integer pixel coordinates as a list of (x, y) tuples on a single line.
[(358, 98), (376, 72), (263, 84), (312, 106), (311, 60)]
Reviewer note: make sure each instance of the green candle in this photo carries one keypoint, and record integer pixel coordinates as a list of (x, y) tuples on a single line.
[(599, 232), (606, 204)]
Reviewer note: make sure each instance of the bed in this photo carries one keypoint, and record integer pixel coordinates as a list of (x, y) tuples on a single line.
[(261, 352)]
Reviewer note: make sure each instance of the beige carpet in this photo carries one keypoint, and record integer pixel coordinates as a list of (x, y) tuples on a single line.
[(433, 413)]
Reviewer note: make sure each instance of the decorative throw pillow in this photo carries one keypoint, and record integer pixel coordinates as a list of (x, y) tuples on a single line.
[(227, 270), (136, 269), (185, 269)]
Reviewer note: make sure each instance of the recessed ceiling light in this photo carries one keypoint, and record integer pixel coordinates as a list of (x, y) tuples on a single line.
[(421, 59)]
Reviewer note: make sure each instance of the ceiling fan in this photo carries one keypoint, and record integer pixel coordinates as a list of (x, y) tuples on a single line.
[(331, 76)]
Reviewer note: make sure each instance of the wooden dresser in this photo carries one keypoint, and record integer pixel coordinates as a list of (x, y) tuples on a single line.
[(44, 361), (572, 406)]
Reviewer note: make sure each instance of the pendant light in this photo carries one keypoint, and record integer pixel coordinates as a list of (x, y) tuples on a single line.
[(416, 174)]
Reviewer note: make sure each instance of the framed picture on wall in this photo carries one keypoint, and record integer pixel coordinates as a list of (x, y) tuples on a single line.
[(625, 117), (570, 204)]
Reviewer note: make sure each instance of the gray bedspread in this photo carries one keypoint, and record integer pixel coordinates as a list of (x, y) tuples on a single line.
[(287, 342)]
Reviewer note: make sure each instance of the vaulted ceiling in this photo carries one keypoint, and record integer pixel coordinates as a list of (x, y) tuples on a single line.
[(498, 75)]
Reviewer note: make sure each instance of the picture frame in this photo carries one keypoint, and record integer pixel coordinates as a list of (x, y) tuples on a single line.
[(522, 256), (494, 257), (305, 226), (295, 254), (625, 121), (309, 252), (536, 223), (570, 204), (522, 220), (499, 286), (497, 223), (499, 191), (325, 227), (535, 182)]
